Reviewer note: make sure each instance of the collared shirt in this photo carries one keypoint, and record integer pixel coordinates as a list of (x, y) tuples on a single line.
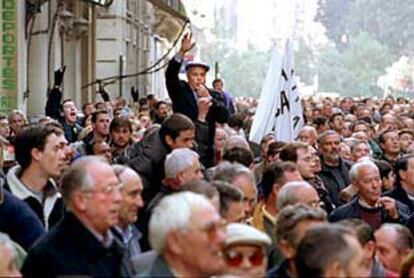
[(105, 240), (266, 214)]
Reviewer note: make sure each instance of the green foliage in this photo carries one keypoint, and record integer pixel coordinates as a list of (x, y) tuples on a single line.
[(389, 22), (355, 70), (244, 72)]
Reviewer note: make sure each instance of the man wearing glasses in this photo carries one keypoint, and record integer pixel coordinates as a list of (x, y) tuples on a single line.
[(82, 243), (189, 243)]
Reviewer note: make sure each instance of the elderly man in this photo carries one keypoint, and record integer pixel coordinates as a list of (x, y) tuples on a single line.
[(369, 205), (242, 178), (189, 243), (394, 243), (181, 166), (298, 192), (245, 251), (131, 190), (82, 244), (308, 134), (316, 257), (334, 172), (292, 224)]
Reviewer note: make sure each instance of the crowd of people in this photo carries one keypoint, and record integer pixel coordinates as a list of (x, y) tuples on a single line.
[(174, 188)]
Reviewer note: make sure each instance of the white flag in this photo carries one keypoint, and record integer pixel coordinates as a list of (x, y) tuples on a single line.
[(279, 110)]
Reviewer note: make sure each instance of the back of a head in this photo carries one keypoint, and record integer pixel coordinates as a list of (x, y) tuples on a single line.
[(275, 174), (227, 194), (290, 216), (316, 253), (364, 232), (237, 154), (290, 193), (179, 160), (227, 171)]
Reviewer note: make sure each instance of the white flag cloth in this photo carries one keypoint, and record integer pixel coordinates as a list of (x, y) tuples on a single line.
[(279, 110)]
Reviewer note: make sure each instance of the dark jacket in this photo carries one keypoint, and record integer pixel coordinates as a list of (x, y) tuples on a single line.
[(184, 101), (335, 179), (71, 249), (51, 198), (399, 194), (71, 132), (18, 220), (147, 159), (352, 210)]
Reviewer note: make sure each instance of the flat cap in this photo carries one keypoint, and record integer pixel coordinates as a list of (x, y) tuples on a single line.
[(245, 234), (197, 64)]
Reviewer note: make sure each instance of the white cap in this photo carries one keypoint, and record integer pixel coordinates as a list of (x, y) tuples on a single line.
[(242, 233)]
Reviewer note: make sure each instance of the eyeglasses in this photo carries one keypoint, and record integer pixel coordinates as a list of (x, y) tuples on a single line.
[(235, 259), (212, 228)]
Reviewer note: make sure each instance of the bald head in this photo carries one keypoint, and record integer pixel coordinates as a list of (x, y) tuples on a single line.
[(297, 192)]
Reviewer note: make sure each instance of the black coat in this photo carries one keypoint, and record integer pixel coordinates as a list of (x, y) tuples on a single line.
[(334, 180), (18, 220), (70, 249), (184, 101)]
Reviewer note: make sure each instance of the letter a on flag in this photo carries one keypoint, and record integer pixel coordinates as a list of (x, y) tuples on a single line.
[(279, 111)]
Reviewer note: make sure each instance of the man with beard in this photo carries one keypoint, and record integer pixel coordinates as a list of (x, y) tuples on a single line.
[(335, 171), (121, 132)]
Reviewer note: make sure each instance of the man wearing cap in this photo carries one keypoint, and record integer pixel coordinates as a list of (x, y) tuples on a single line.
[(193, 99), (245, 251)]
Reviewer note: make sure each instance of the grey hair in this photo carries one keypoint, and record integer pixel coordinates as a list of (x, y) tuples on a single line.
[(119, 170), (227, 171), (179, 160), (325, 134), (290, 216), (287, 194), (354, 171), (172, 213), (78, 178), (236, 141), (353, 144), (404, 239)]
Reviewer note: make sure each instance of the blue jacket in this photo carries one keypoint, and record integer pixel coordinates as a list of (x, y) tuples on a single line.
[(18, 220)]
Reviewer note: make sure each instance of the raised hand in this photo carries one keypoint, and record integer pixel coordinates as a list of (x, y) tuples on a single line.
[(186, 44), (202, 91)]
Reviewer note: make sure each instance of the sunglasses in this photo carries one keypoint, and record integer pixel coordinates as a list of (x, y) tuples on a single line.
[(235, 259)]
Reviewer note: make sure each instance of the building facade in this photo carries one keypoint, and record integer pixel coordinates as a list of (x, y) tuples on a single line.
[(94, 39)]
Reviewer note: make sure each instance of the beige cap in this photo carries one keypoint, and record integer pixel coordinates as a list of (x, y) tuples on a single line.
[(242, 233)]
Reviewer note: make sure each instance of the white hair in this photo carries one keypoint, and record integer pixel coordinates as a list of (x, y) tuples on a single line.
[(287, 195), (172, 213), (354, 172), (179, 160)]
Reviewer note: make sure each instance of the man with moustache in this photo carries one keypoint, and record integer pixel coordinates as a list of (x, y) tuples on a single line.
[(335, 171)]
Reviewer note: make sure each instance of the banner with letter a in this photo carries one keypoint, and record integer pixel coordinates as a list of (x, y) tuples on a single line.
[(279, 110)]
